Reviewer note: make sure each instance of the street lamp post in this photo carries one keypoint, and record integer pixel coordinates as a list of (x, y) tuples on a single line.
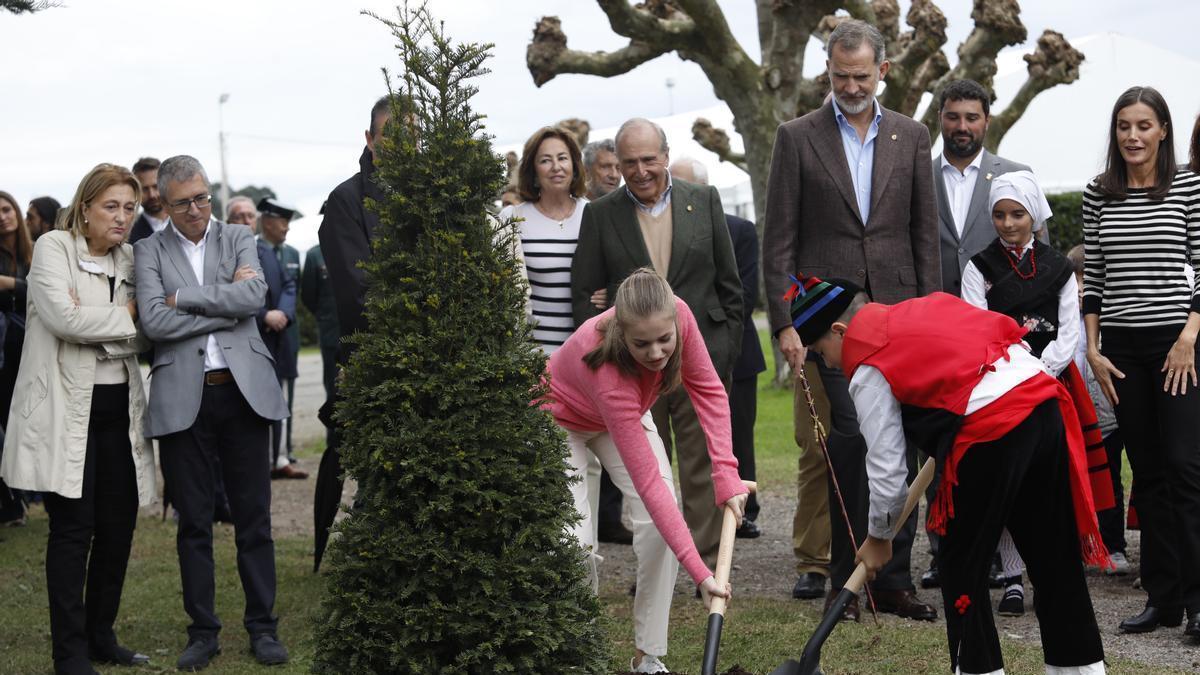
[(670, 96), (221, 137)]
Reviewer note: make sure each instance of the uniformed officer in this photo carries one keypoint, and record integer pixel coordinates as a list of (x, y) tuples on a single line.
[(278, 319)]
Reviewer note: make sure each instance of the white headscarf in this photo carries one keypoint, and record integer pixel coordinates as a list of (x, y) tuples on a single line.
[(1023, 188)]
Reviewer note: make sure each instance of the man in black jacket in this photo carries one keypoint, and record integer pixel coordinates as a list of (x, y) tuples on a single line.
[(345, 234), (347, 231)]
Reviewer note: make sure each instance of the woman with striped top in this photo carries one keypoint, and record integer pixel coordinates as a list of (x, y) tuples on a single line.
[(550, 180), (1141, 230)]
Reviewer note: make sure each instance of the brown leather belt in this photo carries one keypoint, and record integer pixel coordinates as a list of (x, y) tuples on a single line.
[(215, 377)]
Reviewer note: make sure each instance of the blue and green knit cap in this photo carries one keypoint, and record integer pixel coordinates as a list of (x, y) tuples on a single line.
[(816, 304)]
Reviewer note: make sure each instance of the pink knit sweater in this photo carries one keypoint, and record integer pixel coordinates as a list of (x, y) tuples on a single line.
[(606, 399)]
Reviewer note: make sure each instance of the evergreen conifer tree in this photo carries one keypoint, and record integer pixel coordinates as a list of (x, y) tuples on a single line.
[(456, 556)]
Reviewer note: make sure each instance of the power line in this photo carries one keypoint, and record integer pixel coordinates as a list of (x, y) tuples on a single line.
[(292, 141)]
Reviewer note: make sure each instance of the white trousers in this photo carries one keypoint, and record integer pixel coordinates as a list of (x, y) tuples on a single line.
[(657, 566)]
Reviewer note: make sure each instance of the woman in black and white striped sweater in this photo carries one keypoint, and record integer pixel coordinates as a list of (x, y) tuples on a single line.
[(1141, 229)]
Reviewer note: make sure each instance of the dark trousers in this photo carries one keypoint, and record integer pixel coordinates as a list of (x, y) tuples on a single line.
[(847, 454), (1020, 481), (90, 537), (1162, 441), (291, 394), (228, 429), (1112, 521), (610, 501), (743, 411), (276, 436), (329, 369)]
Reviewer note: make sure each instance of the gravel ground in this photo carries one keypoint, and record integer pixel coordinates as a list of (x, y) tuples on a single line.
[(764, 567)]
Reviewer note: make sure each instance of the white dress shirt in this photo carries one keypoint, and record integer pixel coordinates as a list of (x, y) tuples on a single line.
[(214, 359), (1061, 351), (155, 223), (881, 425), (960, 185)]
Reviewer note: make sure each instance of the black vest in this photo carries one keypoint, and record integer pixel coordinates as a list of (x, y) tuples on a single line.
[(1032, 303)]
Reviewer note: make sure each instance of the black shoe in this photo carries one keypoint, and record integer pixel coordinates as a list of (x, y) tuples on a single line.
[(198, 654), (996, 574), (931, 578), (268, 650), (1153, 617), (117, 655), (809, 586), (1193, 625), (1013, 602), (748, 530), (614, 533)]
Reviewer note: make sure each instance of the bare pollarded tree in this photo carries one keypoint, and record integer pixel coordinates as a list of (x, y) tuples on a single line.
[(769, 90)]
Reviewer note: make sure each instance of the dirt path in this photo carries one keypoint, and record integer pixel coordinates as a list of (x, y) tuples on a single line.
[(764, 567)]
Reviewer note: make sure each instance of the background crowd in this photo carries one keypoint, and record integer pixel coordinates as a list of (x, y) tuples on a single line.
[(136, 266)]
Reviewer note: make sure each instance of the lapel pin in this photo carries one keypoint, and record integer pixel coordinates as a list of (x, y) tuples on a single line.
[(689, 208), (893, 137), (988, 177)]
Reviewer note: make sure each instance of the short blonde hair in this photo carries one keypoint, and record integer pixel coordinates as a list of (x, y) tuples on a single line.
[(644, 294), (99, 179)]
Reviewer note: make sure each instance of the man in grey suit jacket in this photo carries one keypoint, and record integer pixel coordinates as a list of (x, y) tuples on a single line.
[(213, 393), (850, 195), (679, 229), (963, 175)]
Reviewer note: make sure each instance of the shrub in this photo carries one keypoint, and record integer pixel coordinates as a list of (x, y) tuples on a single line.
[(1066, 226), (456, 556)]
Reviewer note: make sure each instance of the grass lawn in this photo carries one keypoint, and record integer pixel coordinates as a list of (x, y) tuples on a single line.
[(759, 633)]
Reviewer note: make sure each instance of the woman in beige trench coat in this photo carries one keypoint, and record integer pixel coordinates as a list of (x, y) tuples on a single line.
[(75, 426)]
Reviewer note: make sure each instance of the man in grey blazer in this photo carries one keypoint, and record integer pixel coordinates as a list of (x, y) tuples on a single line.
[(679, 229), (850, 195), (963, 176), (213, 394)]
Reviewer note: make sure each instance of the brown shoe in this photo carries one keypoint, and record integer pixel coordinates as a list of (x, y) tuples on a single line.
[(905, 604), (288, 471), (850, 613)]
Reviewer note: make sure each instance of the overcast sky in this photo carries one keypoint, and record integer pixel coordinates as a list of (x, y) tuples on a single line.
[(112, 80)]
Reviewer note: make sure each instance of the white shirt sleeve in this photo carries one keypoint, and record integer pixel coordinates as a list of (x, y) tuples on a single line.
[(974, 290), (881, 425), (1058, 354)]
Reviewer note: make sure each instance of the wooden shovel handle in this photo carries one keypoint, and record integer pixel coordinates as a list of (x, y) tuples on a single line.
[(859, 578), (725, 555)]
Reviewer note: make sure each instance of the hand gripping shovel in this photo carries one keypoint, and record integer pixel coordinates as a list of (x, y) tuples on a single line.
[(810, 658), (716, 609)]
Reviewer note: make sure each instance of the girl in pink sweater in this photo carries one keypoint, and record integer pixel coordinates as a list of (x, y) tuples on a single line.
[(603, 381)]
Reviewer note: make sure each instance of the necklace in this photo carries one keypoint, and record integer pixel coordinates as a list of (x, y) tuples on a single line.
[(560, 220), (1017, 268)]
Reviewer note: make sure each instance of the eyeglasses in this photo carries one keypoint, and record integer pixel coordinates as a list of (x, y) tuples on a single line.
[(185, 205)]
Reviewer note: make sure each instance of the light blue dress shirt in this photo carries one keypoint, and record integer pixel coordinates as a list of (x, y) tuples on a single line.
[(661, 204), (860, 156)]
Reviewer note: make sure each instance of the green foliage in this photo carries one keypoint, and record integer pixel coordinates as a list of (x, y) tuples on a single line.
[(1066, 226), (456, 557)]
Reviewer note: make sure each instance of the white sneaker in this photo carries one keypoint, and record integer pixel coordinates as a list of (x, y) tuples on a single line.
[(649, 664), (1120, 566)]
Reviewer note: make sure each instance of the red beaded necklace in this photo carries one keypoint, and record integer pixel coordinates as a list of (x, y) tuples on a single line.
[(1016, 267)]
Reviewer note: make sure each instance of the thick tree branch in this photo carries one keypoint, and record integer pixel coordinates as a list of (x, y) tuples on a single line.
[(915, 49), (997, 25), (716, 141), (547, 55), (793, 23), (651, 21), (1054, 62)]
